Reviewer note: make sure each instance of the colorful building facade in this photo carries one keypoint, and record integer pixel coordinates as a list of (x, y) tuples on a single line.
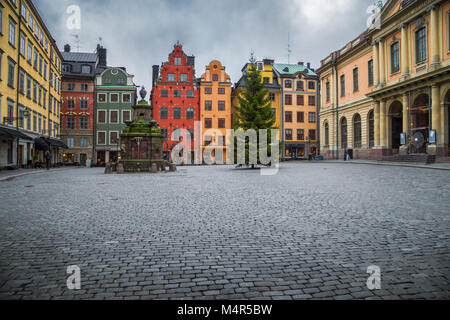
[(299, 105), (78, 107), (30, 86), (215, 110), (388, 91), (115, 98), (175, 97)]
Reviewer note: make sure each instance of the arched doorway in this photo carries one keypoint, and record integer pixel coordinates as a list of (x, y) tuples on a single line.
[(420, 123), (395, 125), (344, 134), (447, 118), (327, 134), (357, 135), (371, 128)]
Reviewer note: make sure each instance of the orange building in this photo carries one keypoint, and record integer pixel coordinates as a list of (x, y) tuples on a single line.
[(215, 109)]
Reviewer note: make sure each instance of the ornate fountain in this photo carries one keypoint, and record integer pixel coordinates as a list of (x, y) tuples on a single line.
[(141, 141)]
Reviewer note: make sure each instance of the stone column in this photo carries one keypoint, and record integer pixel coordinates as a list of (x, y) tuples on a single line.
[(434, 41), (405, 129), (435, 118), (376, 66), (404, 51), (382, 65), (383, 121), (377, 123)]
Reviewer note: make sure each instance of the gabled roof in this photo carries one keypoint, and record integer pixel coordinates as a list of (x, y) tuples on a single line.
[(79, 57), (292, 69)]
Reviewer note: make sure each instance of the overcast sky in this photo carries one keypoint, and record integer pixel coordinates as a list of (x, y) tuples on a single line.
[(141, 33)]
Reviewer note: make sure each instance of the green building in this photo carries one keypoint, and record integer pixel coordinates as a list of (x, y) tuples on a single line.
[(115, 98)]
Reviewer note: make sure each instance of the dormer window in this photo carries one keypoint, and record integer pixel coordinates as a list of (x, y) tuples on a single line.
[(260, 66), (177, 61), (86, 69), (67, 68)]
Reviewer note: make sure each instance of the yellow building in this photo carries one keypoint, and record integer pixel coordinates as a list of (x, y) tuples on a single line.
[(271, 83), (386, 94), (30, 85), (215, 109)]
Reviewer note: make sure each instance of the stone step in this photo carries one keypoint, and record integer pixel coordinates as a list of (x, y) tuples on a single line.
[(416, 158)]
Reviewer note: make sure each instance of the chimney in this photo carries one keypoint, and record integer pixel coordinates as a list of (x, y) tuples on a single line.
[(309, 65), (300, 63), (102, 55), (67, 48), (155, 74)]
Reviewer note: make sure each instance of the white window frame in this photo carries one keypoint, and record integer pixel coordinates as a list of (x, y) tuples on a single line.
[(126, 94), (98, 132), (106, 116), (12, 35), (123, 118), (106, 97), (118, 116), (118, 137), (113, 94), (70, 145)]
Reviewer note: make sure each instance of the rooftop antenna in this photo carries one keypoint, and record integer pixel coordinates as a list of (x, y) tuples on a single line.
[(77, 41), (252, 57), (289, 51), (100, 39)]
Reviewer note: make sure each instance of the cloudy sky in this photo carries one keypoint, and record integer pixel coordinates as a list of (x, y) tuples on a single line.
[(141, 33)]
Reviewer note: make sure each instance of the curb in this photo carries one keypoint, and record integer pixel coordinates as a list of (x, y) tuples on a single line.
[(393, 165), (11, 177)]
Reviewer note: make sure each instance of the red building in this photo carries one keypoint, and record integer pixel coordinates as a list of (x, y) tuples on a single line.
[(175, 96)]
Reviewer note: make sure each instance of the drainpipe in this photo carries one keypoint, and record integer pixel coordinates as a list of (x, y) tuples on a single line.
[(282, 120), (337, 110), (17, 83)]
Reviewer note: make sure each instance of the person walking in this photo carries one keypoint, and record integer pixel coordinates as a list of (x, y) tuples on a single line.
[(48, 158)]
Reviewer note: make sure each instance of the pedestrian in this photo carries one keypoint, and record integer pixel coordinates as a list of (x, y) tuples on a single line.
[(48, 158)]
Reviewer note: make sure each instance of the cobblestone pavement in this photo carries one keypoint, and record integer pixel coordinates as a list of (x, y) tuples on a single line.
[(309, 232)]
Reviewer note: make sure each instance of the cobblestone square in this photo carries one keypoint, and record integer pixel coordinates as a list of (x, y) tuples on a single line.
[(309, 232)]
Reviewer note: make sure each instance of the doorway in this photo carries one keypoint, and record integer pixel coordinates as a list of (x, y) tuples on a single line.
[(396, 123), (420, 123)]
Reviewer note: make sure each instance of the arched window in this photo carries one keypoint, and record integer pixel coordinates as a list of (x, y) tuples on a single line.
[(344, 133), (371, 129), (327, 134), (357, 131)]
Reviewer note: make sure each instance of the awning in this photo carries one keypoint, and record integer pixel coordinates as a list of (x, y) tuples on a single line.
[(12, 133), (55, 143), (40, 144)]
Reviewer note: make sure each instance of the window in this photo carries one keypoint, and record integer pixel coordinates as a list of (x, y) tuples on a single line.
[(102, 97), (300, 134), (288, 134), (34, 91), (71, 104), (1, 19), (370, 68), (357, 131), (114, 116), (45, 70), (23, 44), (171, 77), (274, 113), (300, 100), (21, 117), (190, 113), (126, 97), (355, 80), (311, 85), (371, 129), (259, 66), (11, 72), (84, 142), (190, 94), (12, 32), (312, 134), (272, 96), (21, 82), (121, 81), (85, 69), (44, 99), (70, 142), (184, 77), (221, 90), (328, 91), (215, 77), (70, 123), (344, 133), (288, 84), (177, 113), (327, 134), (101, 137), (164, 113), (164, 93), (67, 68), (29, 87), (113, 137), (165, 133), (126, 116), (36, 58), (30, 52), (311, 117), (266, 80), (421, 45), (300, 86), (84, 103), (70, 87), (208, 90), (208, 123), (177, 93), (114, 97), (208, 105), (84, 87), (35, 122), (221, 123), (395, 57), (101, 116), (343, 86), (177, 61), (311, 100), (24, 11), (221, 105), (108, 81), (40, 64), (300, 117), (288, 116), (288, 100), (84, 123), (10, 111)]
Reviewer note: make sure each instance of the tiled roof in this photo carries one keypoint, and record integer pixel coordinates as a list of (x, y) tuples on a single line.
[(291, 69), (79, 56)]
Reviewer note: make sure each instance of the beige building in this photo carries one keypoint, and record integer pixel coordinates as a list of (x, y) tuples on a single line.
[(387, 91)]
